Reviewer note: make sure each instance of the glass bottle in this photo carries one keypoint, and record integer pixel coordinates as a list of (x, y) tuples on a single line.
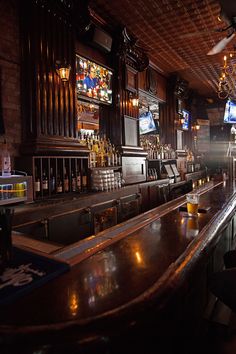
[(78, 181), (118, 158), (59, 185), (84, 180), (66, 182), (45, 182), (52, 181), (37, 184), (6, 161), (73, 182)]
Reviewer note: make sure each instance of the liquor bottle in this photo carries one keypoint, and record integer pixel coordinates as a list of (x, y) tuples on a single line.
[(66, 182), (114, 156), (52, 181), (73, 182), (84, 180), (78, 181), (107, 157), (45, 183), (118, 158), (37, 184), (59, 185), (6, 161)]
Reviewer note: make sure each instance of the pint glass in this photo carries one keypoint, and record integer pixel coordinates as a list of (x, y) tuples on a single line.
[(192, 203)]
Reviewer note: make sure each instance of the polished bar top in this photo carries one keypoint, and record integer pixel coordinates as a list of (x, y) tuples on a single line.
[(146, 266)]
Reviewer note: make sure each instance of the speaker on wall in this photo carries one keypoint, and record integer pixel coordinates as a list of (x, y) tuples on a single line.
[(102, 39), (180, 86)]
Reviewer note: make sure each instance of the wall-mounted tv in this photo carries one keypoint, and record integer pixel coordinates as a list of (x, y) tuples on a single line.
[(146, 123), (93, 81), (230, 112), (186, 118)]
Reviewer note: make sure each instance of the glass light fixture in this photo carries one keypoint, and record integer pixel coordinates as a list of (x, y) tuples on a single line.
[(135, 102), (133, 98), (226, 83), (195, 127), (63, 70)]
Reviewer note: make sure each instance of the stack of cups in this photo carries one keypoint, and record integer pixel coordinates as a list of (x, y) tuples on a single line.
[(103, 180)]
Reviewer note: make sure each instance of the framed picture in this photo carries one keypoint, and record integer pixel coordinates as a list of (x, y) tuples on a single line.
[(131, 79)]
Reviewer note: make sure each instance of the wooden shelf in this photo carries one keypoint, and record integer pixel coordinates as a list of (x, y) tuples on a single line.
[(106, 168)]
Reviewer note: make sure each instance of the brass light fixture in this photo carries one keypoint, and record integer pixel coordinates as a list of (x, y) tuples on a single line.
[(63, 70), (195, 127), (227, 79), (134, 99), (181, 120)]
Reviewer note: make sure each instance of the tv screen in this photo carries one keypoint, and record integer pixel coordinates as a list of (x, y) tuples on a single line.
[(93, 81), (146, 123), (185, 125), (230, 112)]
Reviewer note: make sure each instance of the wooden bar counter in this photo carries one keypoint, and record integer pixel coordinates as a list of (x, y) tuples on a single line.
[(144, 281)]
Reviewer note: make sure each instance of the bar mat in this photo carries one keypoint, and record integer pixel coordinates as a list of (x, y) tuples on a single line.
[(26, 272)]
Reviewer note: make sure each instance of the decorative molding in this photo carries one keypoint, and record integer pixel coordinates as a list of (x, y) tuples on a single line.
[(131, 79), (152, 81), (133, 54), (74, 13)]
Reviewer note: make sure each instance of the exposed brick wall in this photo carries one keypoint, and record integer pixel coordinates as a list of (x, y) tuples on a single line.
[(10, 102)]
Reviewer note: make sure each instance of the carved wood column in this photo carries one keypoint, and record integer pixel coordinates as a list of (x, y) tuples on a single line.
[(130, 60), (49, 105)]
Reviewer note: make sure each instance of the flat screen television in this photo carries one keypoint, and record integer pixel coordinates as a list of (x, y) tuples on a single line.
[(186, 117), (146, 123), (230, 112), (93, 81)]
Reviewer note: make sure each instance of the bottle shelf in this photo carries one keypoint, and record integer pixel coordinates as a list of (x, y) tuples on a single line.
[(106, 168), (54, 175)]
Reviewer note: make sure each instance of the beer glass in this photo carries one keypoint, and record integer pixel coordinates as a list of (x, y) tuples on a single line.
[(192, 203)]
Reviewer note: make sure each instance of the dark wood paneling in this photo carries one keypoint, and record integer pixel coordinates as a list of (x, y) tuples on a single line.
[(142, 80), (49, 104), (161, 87), (167, 119), (144, 190), (161, 84)]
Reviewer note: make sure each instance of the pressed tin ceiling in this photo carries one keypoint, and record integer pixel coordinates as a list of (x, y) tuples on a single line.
[(177, 35)]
